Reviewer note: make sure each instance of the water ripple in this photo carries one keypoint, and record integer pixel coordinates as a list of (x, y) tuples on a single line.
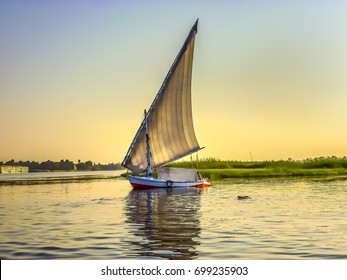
[(285, 219)]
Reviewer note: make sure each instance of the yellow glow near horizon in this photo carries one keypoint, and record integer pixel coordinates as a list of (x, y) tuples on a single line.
[(269, 80)]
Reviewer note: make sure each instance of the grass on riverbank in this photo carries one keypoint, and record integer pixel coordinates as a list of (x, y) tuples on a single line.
[(215, 169), (215, 174), (214, 163)]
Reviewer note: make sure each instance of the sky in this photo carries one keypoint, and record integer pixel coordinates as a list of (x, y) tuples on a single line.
[(269, 77)]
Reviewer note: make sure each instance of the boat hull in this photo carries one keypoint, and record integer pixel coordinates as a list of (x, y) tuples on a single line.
[(149, 182)]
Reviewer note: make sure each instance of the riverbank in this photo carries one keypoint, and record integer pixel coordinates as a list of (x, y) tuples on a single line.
[(215, 169), (216, 174), (212, 175), (57, 177), (248, 173)]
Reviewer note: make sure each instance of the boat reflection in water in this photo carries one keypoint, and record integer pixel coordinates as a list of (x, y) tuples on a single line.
[(164, 223)]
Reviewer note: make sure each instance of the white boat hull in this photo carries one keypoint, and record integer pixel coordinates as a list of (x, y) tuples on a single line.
[(149, 182)]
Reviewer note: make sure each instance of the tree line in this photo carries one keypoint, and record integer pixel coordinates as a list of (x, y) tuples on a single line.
[(63, 165)]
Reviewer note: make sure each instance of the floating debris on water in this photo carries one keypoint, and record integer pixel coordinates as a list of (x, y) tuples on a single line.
[(242, 197)]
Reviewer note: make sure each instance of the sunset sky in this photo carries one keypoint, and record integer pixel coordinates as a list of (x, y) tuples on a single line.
[(269, 77)]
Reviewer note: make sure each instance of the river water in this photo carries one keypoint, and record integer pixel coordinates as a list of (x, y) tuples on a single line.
[(105, 219)]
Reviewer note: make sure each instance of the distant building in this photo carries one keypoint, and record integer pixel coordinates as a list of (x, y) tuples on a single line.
[(13, 169)]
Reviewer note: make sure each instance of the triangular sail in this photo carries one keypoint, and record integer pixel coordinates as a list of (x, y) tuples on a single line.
[(170, 122)]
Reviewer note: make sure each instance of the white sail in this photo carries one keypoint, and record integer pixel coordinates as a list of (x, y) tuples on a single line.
[(170, 123)]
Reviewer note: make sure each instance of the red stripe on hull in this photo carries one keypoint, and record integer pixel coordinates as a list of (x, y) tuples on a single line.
[(204, 185), (141, 186)]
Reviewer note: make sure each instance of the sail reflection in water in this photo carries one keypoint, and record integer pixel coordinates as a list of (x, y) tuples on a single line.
[(164, 223)]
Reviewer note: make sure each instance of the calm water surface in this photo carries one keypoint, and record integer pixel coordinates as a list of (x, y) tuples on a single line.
[(105, 219)]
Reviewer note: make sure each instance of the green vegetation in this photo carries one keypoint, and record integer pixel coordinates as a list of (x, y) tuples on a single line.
[(215, 169), (215, 174), (63, 165)]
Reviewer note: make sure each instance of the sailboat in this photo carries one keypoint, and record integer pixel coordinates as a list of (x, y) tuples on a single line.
[(166, 133)]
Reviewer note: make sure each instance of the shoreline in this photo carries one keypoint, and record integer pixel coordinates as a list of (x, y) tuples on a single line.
[(36, 178), (229, 173), (211, 174), (55, 180)]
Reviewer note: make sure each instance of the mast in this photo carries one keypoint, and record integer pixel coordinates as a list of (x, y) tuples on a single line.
[(171, 112), (191, 34), (148, 149)]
